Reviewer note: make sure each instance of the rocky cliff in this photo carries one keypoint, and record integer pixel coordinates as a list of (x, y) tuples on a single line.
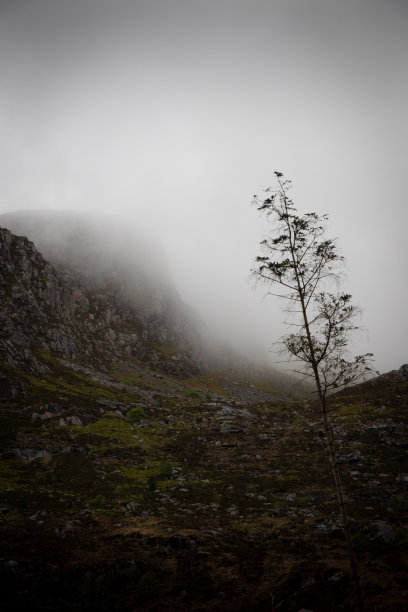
[(94, 320)]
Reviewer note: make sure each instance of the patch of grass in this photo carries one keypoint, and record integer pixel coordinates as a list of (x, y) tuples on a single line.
[(210, 382), (304, 501), (351, 412), (276, 410), (98, 502), (398, 502), (46, 355), (12, 474), (164, 470), (124, 372), (112, 428), (75, 386), (280, 504), (263, 383), (261, 525), (191, 394), (63, 380), (289, 475), (167, 351), (145, 477), (136, 413)]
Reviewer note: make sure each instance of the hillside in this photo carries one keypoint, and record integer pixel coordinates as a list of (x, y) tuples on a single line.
[(134, 477), (100, 318)]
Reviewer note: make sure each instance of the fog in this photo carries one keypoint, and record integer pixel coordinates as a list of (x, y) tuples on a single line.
[(101, 249), (172, 114)]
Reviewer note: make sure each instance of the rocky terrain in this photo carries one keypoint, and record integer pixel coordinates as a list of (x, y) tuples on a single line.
[(134, 477), (93, 322)]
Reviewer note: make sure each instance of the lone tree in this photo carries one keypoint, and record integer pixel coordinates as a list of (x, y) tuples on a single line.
[(302, 266)]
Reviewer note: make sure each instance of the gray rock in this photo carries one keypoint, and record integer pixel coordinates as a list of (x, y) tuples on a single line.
[(352, 457), (384, 532), (403, 371), (29, 454), (336, 577), (11, 566), (75, 421), (36, 418)]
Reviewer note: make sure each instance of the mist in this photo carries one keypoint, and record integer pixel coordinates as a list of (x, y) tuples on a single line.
[(171, 115), (103, 249)]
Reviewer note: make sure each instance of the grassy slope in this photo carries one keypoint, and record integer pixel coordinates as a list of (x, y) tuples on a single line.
[(210, 502)]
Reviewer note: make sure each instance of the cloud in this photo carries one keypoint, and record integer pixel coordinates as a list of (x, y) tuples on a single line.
[(174, 113)]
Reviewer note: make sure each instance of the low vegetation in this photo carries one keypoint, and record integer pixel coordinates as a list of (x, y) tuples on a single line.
[(197, 502)]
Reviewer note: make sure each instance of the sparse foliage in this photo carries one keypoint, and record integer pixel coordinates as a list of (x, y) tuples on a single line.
[(298, 258), (302, 266)]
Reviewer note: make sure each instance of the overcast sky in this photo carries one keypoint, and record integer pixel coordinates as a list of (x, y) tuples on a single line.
[(173, 113)]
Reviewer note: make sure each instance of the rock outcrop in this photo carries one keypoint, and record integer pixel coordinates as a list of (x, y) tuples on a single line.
[(95, 320)]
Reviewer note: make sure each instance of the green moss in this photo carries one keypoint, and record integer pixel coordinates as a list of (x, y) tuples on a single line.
[(350, 412), (304, 501), (12, 474), (210, 382), (148, 476), (280, 504), (289, 475), (112, 428), (80, 388), (64, 381)]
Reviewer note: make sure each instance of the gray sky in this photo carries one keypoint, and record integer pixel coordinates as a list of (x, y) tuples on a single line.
[(173, 113)]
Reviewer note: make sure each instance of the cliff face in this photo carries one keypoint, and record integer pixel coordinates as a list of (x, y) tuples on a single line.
[(97, 321)]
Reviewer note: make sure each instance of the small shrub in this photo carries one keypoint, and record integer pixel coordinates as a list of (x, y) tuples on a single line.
[(165, 471), (192, 394), (306, 500), (398, 502), (151, 482), (280, 504), (136, 413), (401, 534), (98, 502)]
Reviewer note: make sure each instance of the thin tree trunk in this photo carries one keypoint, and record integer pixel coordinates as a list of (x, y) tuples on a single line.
[(334, 465), (327, 428), (341, 502), (313, 362)]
